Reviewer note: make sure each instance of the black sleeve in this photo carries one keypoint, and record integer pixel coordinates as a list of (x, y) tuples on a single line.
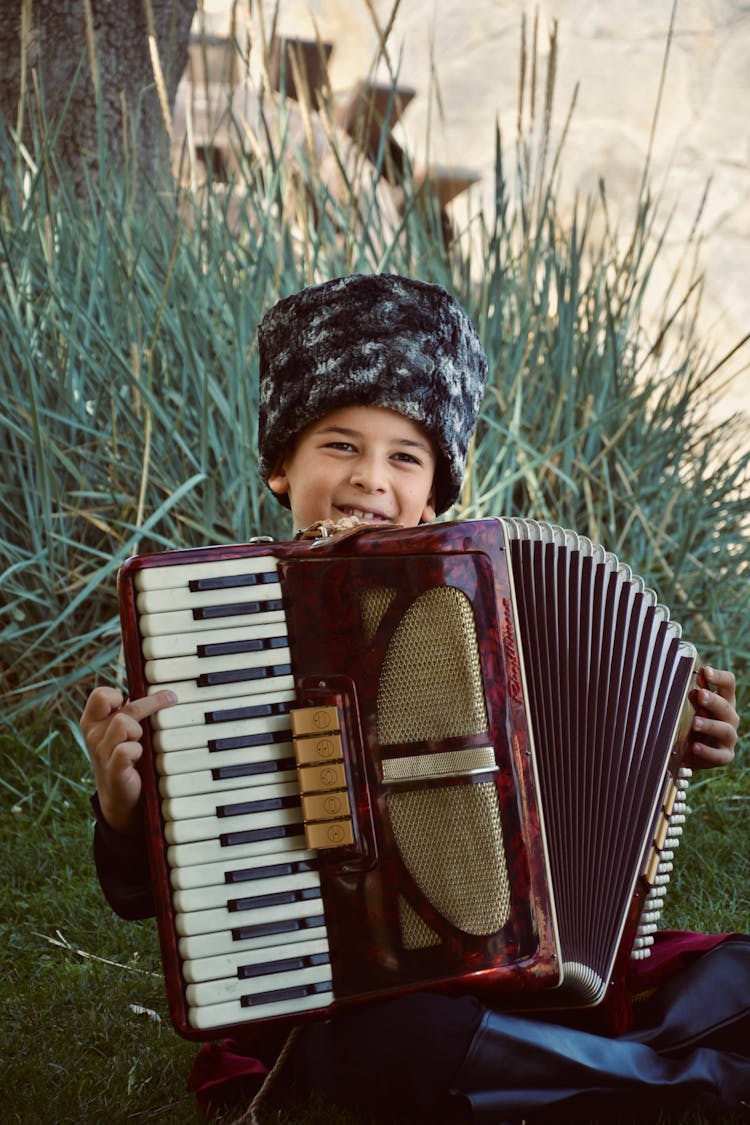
[(122, 866)]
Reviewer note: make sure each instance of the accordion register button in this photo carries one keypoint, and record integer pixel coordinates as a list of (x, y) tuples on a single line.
[(314, 720), (329, 834), (325, 806), (319, 779), (312, 751)]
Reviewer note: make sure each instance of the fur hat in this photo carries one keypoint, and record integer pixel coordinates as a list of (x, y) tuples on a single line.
[(379, 340)]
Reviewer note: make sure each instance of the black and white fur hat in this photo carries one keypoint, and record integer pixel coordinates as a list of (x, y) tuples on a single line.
[(380, 340)]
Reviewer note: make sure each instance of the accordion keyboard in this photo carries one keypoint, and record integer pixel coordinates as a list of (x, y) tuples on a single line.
[(245, 889)]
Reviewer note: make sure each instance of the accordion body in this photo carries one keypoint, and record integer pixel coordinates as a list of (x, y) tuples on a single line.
[(444, 757)]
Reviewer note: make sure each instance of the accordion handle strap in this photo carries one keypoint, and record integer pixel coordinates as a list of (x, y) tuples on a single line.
[(343, 528)]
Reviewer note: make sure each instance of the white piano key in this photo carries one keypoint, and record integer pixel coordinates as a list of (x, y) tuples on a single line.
[(201, 759), (195, 703), (222, 943), (192, 667), (208, 898), (169, 600), (220, 991), (208, 874), (212, 827), (197, 806), (229, 964), (187, 642), (200, 735), (217, 1015), (155, 578), (200, 922), (213, 851), (182, 621), (210, 791), (178, 782)]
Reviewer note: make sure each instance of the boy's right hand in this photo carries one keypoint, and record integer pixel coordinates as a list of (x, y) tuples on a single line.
[(112, 730)]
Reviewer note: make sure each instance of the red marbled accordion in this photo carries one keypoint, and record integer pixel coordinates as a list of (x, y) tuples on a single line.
[(501, 704)]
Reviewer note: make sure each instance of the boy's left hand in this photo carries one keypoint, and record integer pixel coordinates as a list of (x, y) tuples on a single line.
[(713, 732)]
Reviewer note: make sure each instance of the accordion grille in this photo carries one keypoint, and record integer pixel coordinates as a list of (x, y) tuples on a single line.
[(431, 681), (415, 933), (451, 841), (374, 604)]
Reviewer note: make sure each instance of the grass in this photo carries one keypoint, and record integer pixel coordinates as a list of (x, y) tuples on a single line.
[(86, 1033), (128, 368)]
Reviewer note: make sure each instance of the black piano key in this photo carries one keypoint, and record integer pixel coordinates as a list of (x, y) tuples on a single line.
[(238, 741), (255, 835), (287, 965), (295, 992), (266, 804), (273, 898), (250, 644), (230, 581), (237, 675), (236, 609), (283, 926), (272, 871), (254, 711), (253, 769)]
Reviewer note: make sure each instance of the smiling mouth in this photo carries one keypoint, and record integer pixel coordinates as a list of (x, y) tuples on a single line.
[(361, 513)]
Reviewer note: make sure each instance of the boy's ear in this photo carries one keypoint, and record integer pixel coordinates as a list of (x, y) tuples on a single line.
[(278, 481), (428, 512)]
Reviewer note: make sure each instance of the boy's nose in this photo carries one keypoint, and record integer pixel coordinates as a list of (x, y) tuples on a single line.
[(368, 475)]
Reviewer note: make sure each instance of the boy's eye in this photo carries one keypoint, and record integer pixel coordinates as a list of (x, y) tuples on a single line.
[(409, 458), (344, 445)]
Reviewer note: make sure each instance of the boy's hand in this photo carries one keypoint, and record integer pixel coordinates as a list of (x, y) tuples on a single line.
[(112, 730), (713, 732)]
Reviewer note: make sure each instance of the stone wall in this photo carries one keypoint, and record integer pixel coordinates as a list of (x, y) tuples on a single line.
[(614, 54)]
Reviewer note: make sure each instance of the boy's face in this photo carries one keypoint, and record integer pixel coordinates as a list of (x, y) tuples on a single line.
[(361, 461)]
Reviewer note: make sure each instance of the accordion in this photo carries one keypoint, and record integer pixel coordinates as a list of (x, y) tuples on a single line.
[(445, 757)]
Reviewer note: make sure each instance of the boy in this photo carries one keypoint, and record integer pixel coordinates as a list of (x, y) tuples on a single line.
[(369, 392)]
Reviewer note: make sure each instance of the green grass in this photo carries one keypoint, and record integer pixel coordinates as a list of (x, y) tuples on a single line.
[(78, 1046), (74, 1049)]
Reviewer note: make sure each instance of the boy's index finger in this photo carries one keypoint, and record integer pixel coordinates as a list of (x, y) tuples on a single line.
[(719, 680), (147, 705)]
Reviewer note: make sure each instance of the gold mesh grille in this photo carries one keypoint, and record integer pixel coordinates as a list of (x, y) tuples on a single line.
[(431, 681), (373, 604), (451, 841), (439, 764), (415, 933)]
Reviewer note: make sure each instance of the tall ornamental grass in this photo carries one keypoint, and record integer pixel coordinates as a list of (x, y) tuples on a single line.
[(128, 362)]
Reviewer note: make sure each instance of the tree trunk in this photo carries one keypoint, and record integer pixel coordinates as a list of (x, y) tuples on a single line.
[(117, 108)]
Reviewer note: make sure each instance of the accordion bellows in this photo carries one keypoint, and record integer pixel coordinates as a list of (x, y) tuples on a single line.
[(440, 757)]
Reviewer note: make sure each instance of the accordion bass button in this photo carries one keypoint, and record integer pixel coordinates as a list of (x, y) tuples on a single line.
[(665, 866)]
